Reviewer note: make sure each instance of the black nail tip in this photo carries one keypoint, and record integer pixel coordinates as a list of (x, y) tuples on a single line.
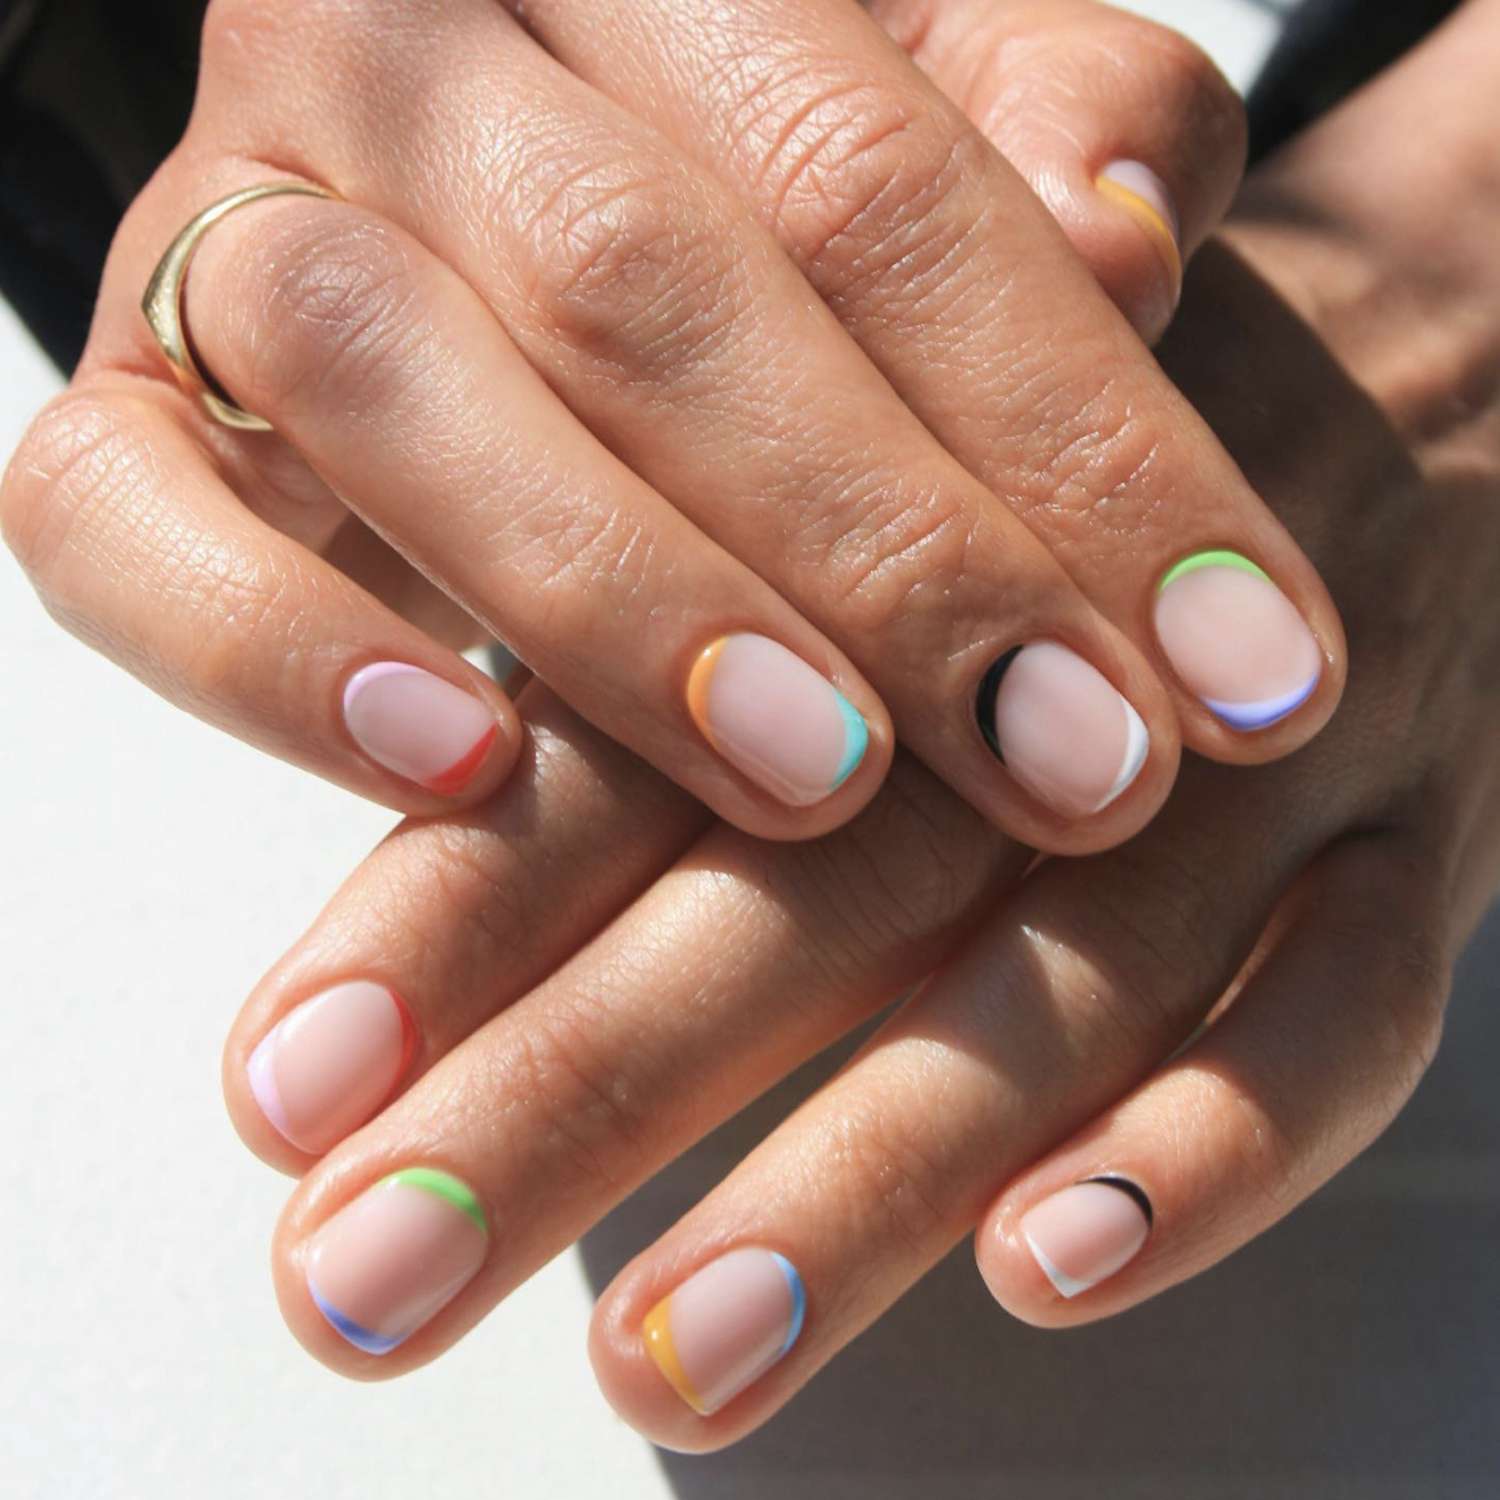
[(1133, 1191), (984, 703)]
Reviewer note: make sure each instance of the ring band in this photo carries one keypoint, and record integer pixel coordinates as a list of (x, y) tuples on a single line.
[(162, 303)]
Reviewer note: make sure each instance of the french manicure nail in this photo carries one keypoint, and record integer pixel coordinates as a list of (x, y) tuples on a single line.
[(1134, 187), (420, 726), (1235, 640), (1061, 729), (393, 1258), (726, 1325), (773, 717), (328, 1065), (1084, 1234)]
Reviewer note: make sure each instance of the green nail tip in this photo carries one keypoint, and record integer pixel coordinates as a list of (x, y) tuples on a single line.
[(1217, 559), (444, 1186), (856, 740)]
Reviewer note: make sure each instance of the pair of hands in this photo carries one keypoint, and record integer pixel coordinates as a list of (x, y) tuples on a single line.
[(581, 1016)]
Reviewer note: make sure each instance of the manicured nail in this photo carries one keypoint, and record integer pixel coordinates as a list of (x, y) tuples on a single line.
[(1061, 729), (328, 1065), (1084, 1234), (1235, 640), (773, 717), (1134, 187), (384, 1265), (419, 726), (726, 1325)]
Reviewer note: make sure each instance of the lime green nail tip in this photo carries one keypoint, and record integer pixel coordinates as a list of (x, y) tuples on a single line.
[(1217, 559), (442, 1185)]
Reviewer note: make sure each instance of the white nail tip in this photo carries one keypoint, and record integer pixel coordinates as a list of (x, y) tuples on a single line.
[(1067, 1286), (1137, 748)]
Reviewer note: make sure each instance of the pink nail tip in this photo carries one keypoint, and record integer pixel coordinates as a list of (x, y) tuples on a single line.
[(1236, 641), (1086, 1233), (328, 1066), (418, 725), (1062, 729)]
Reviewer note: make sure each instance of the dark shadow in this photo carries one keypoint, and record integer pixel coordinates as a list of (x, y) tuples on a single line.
[(1353, 1351)]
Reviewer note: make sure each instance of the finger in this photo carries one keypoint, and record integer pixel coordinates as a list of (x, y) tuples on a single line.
[(136, 545), (380, 365), (944, 266), (446, 923), (1126, 130), (1311, 1062), (1091, 976), (740, 963), (673, 326)]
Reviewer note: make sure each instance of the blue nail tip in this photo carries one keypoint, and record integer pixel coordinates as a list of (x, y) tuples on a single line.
[(357, 1334)]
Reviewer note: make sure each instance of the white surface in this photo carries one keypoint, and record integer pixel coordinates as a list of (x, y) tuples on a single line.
[(152, 869)]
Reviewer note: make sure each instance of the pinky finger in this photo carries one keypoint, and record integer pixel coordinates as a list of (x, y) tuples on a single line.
[(138, 547), (1310, 1063)]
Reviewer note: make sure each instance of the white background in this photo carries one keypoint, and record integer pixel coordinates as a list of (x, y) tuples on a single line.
[(152, 869)]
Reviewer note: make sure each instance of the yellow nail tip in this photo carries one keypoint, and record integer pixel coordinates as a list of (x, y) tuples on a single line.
[(1148, 218), (656, 1332), (698, 684)]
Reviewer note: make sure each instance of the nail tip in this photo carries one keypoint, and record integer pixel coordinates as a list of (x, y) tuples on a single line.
[(1137, 751), (1064, 1285), (453, 1190), (362, 1338), (261, 1075), (1248, 718), (856, 741)]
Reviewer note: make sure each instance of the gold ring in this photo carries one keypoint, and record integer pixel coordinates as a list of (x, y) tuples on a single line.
[(162, 303)]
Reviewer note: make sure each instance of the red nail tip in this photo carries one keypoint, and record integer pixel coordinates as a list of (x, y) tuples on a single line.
[(461, 772)]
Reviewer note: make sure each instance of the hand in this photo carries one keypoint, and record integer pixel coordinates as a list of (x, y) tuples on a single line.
[(565, 343), (1312, 909)]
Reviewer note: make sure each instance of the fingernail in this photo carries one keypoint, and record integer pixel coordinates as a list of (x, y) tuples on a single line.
[(1134, 187), (399, 1253), (419, 726), (726, 1325), (1084, 1234), (1235, 640), (773, 717), (328, 1065), (1061, 729)]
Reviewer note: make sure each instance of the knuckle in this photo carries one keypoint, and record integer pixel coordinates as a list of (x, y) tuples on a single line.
[(338, 308), (895, 1184), (1206, 106), (888, 551), (857, 172), (78, 458), (585, 1119), (629, 267)]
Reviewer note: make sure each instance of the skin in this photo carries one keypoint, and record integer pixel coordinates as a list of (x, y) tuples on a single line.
[(1313, 909), (695, 391)]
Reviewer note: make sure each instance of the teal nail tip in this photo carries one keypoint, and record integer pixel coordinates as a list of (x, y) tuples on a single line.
[(856, 741)]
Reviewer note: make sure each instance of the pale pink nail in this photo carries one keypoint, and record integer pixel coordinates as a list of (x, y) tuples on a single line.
[(1236, 641), (419, 726), (328, 1065), (1061, 728), (726, 1325), (393, 1258), (1084, 1234), (773, 717)]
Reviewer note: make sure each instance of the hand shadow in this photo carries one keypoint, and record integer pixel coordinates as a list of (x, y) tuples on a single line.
[(1352, 1351)]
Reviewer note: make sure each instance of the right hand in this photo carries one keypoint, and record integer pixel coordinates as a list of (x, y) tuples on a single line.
[(565, 344)]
